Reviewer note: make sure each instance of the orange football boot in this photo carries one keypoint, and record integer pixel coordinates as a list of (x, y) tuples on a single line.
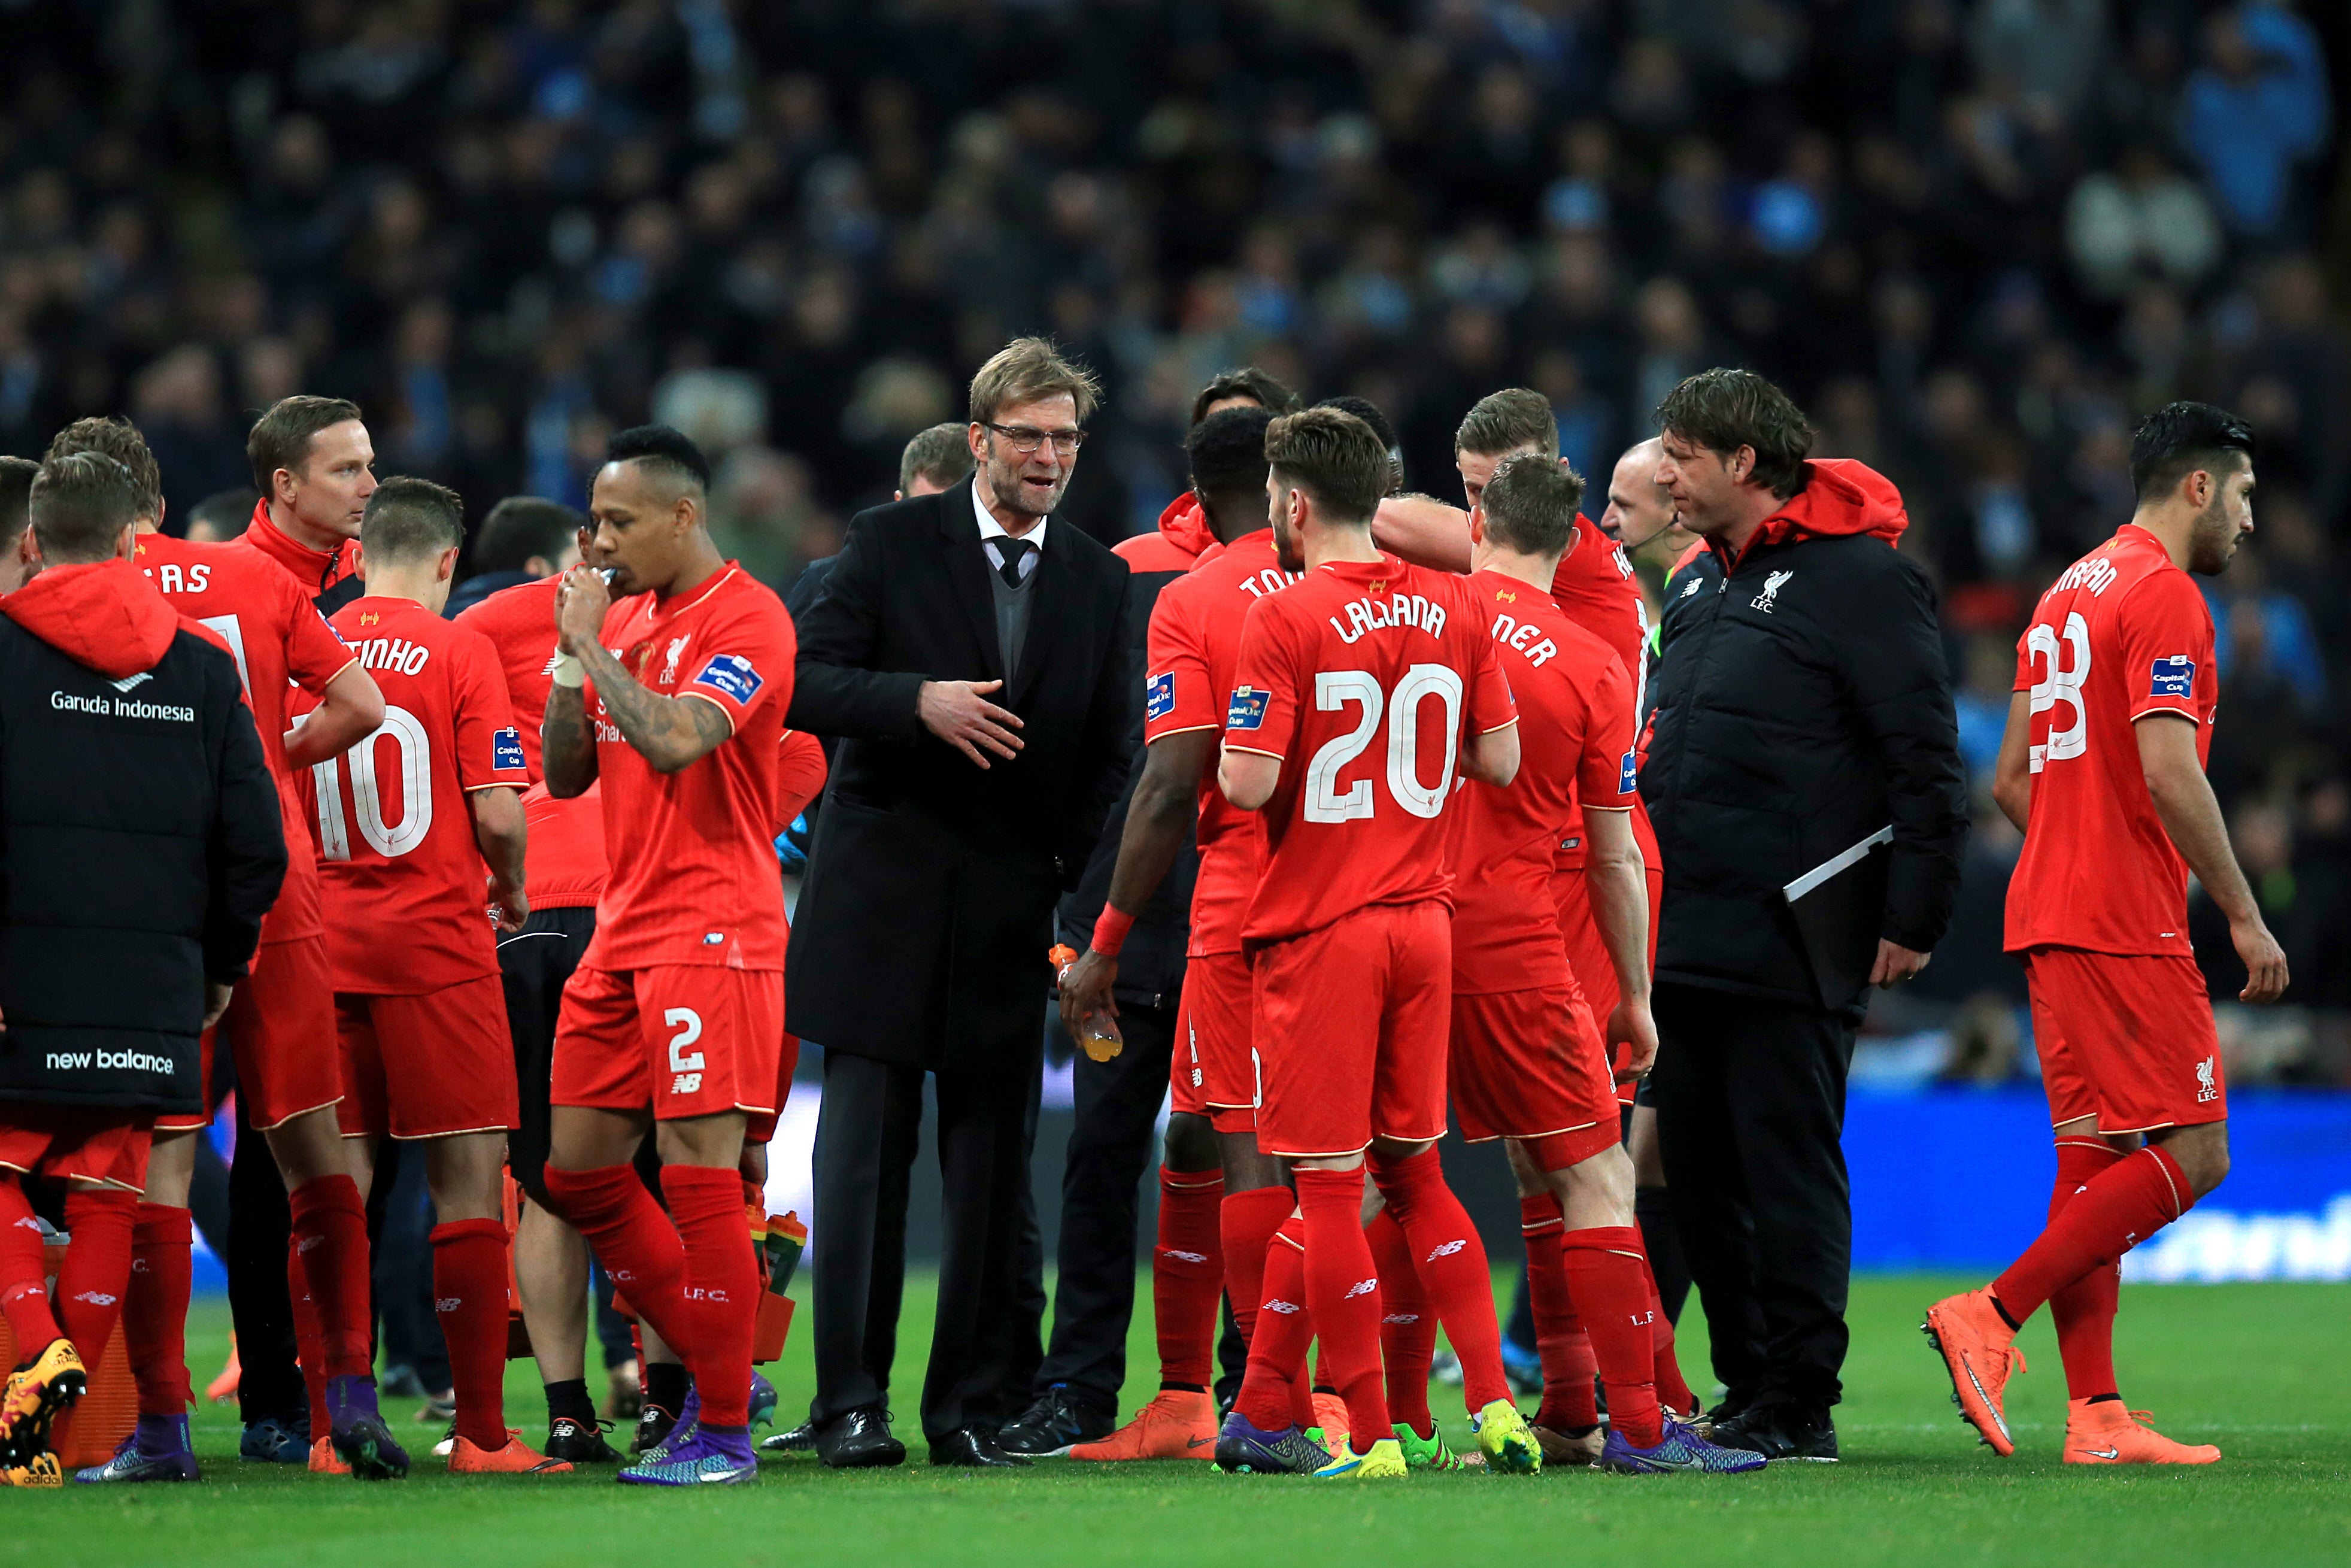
[(1979, 1350), (1180, 1423), (37, 1394), (516, 1459), (2106, 1433), (1331, 1415), (325, 1461), (222, 1389)]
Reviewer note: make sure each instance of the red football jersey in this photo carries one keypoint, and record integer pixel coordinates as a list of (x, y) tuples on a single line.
[(406, 887), (1196, 639), (1575, 739), (2121, 634), (1364, 677), (282, 645), (1594, 588), (693, 876)]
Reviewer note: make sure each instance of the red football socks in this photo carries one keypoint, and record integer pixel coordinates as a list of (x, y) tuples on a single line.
[(1605, 1273), (469, 1295), (155, 1308), (634, 1240), (2084, 1311), (1188, 1276), (1407, 1327), (1247, 1221), (722, 1288), (1451, 1262), (2115, 1210), (96, 1274), (1343, 1290), (24, 1271), (309, 1341), (1568, 1366), (1673, 1388), (1274, 1394), (329, 1244)]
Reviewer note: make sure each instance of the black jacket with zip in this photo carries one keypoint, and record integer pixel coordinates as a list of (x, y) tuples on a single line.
[(1804, 701)]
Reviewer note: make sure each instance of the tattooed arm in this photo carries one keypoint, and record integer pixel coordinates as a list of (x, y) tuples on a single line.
[(670, 733)]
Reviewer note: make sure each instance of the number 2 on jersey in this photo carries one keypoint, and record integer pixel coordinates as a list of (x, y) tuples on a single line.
[(2063, 682), (1336, 688)]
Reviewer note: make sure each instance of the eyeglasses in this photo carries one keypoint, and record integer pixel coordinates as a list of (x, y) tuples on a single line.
[(1026, 438)]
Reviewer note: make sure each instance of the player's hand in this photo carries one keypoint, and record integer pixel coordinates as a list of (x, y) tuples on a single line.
[(510, 907), (2265, 975), (579, 607), (1085, 990), (1631, 1026), (1895, 962), (216, 1001), (960, 712)]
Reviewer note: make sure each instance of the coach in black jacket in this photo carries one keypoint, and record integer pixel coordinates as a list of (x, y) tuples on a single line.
[(139, 847), (974, 655), (1803, 777)]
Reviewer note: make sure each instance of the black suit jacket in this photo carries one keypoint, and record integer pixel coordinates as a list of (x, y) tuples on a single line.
[(921, 932)]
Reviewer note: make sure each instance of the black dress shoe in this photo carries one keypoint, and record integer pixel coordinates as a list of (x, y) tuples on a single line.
[(1780, 1433), (801, 1440), (860, 1440), (1052, 1422), (974, 1449)]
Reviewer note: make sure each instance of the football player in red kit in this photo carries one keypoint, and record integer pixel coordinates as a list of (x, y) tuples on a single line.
[(413, 821), (674, 1017), (1361, 691), (281, 1017), (1527, 1061), (2102, 768)]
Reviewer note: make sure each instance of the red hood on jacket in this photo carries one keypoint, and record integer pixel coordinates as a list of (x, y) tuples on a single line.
[(102, 614), (1183, 524), (1840, 496)]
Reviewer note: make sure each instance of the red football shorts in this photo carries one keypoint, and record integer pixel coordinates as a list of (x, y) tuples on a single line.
[(1351, 1025), (1530, 1065), (427, 1066), (66, 1143), (2128, 1039), (686, 1039), (1587, 954), (1213, 1072), (761, 1127), (281, 1025)]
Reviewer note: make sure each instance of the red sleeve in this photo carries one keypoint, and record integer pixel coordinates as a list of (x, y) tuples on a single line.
[(489, 746), (744, 659), (1262, 716), (1607, 777), (2025, 681), (800, 776), (1485, 691), (2167, 645), (1175, 687), (314, 651)]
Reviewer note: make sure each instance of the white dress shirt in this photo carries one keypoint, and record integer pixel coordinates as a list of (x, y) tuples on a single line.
[(990, 530)]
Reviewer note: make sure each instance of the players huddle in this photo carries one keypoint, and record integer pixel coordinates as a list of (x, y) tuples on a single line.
[(1410, 740)]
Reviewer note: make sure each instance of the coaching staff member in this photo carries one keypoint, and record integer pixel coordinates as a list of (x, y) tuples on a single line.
[(1803, 710), (139, 847), (973, 654)]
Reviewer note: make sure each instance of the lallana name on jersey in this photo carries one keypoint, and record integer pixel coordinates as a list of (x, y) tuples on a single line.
[(1380, 614)]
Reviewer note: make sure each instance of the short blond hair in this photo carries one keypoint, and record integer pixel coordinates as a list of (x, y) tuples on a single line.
[(1025, 369)]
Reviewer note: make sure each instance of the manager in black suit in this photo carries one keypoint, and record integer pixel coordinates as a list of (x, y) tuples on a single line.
[(974, 656)]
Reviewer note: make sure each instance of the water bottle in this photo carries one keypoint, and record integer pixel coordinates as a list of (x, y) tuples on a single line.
[(1098, 1030)]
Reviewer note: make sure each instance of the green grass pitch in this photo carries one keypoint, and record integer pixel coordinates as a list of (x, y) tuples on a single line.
[(2258, 1369)]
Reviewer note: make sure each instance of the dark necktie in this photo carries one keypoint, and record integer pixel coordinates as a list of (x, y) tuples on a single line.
[(1010, 552)]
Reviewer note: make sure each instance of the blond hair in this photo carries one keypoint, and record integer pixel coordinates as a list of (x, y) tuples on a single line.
[(1025, 370)]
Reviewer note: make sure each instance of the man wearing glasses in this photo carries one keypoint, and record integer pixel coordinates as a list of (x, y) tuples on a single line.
[(971, 654)]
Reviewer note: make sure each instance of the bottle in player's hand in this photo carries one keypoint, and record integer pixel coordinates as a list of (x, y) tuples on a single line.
[(1098, 1030)]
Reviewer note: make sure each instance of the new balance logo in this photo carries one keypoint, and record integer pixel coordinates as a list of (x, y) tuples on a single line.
[(305, 1243), (1183, 1257), (130, 682), (1279, 1305), (1447, 1250), (1401, 1318), (96, 1298), (29, 1223), (448, 1303), (1360, 1288), (687, 1083)]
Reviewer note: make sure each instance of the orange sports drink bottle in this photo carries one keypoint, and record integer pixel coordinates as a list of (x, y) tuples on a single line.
[(1098, 1031)]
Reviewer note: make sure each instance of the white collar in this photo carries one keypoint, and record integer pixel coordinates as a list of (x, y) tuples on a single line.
[(989, 529)]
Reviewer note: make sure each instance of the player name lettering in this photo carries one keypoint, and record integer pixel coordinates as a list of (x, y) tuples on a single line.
[(2094, 572), (392, 653), (170, 579), (1268, 581), (1528, 640), (109, 1061), (1380, 614), (120, 707)]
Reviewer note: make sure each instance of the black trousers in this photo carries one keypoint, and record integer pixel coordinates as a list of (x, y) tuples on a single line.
[(1118, 1105), (1750, 1112), (864, 1153), (260, 1221)]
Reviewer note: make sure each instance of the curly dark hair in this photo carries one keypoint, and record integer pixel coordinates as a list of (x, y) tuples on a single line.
[(1724, 408)]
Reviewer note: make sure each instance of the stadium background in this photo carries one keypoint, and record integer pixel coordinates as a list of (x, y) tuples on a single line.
[(1975, 237)]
